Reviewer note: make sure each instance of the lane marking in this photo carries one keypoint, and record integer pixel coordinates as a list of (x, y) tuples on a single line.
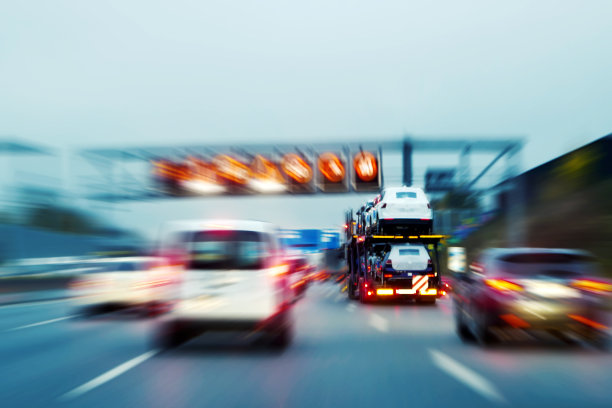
[(350, 307), (339, 297), (59, 319), (107, 376), (466, 376), (38, 303), (379, 323)]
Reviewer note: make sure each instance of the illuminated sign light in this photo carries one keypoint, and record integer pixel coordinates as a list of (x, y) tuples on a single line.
[(266, 177), (203, 177), (366, 166), (365, 175), (331, 167), (169, 170), (231, 169), (296, 168)]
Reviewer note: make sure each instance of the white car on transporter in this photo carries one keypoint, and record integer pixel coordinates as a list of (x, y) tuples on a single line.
[(402, 210)]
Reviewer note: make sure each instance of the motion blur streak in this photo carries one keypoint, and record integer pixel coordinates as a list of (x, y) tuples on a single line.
[(588, 322), (515, 321)]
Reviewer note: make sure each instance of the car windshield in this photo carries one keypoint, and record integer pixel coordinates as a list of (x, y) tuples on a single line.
[(410, 251), (227, 250), (405, 194)]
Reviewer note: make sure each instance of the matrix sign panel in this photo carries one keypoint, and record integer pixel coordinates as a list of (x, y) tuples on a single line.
[(281, 172)]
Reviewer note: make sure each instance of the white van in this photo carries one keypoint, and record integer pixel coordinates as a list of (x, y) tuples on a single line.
[(232, 276)]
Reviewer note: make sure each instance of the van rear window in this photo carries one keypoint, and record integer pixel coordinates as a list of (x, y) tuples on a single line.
[(405, 194), (228, 250), (409, 251)]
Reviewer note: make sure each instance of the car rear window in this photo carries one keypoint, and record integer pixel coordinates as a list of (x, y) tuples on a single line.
[(546, 258), (555, 265), (410, 251), (227, 249), (405, 194)]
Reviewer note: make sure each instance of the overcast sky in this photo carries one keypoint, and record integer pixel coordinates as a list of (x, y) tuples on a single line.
[(128, 73)]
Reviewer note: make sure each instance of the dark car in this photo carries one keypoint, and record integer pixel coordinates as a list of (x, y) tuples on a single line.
[(530, 289)]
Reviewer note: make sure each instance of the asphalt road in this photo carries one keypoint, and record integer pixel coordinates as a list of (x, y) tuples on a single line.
[(344, 354)]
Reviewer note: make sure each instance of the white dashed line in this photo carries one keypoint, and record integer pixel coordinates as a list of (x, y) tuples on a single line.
[(466, 376), (379, 323), (59, 319), (350, 307), (107, 376)]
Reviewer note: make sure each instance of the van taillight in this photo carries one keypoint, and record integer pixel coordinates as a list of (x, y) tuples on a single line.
[(384, 205), (389, 263)]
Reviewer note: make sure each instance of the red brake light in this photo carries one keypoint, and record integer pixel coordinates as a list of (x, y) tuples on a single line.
[(503, 285), (592, 286), (389, 262), (388, 275)]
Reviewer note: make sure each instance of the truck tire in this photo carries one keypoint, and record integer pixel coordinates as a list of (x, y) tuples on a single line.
[(362, 296), (351, 290)]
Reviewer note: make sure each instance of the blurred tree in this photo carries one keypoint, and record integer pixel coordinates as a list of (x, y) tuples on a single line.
[(62, 219), (457, 200)]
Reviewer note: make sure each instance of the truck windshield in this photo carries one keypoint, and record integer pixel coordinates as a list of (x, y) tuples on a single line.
[(245, 250)]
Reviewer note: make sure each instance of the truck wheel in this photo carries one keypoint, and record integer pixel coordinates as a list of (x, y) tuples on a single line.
[(351, 290), (362, 295)]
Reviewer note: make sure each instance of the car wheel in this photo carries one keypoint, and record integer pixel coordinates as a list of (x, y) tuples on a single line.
[(598, 339), (282, 335), (85, 312), (483, 331), (463, 330), (170, 335), (153, 309)]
